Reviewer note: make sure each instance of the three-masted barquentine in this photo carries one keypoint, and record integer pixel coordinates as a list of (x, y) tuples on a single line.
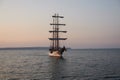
[(55, 49)]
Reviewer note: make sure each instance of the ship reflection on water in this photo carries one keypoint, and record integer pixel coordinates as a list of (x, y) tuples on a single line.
[(56, 68)]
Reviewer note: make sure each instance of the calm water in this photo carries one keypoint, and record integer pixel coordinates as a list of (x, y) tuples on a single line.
[(35, 64)]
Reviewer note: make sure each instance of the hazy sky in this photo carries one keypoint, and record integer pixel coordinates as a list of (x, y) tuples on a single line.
[(90, 23)]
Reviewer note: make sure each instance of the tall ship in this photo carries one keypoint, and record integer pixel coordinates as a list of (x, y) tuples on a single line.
[(55, 48)]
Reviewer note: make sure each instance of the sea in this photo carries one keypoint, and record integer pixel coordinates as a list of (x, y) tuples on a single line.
[(76, 64)]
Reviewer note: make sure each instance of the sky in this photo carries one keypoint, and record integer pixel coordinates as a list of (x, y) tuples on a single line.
[(90, 23)]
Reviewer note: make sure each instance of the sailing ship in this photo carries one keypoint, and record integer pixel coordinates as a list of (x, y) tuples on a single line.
[(55, 48)]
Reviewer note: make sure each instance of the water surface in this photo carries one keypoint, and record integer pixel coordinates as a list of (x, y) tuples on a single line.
[(84, 64)]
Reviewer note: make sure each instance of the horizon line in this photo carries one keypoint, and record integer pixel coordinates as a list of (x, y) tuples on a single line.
[(33, 47)]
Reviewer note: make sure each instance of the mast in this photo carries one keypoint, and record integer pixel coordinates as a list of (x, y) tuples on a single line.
[(55, 32)]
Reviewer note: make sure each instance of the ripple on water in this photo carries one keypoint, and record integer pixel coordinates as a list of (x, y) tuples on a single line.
[(76, 65)]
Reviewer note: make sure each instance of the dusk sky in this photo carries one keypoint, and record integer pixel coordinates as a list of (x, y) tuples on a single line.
[(90, 23)]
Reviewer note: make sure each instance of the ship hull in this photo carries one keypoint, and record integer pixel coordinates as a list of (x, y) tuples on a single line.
[(55, 54)]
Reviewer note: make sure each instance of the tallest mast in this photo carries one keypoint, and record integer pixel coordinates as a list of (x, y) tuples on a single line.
[(55, 32)]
